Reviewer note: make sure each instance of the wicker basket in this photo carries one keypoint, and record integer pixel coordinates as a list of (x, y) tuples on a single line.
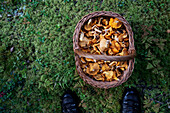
[(126, 74)]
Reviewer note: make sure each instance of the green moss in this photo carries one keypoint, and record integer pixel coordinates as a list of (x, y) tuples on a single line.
[(42, 64)]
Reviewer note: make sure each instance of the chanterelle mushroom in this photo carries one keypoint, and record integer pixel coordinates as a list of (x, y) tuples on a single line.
[(126, 39), (81, 36), (124, 44), (118, 72), (89, 25), (97, 30), (95, 48), (110, 32), (114, 76), (122, 36), (115, 47), (84, 65), (101, 37), (93, 68), (89, 60), (115, 23), (124, 52), (115, 37), (113, 63), (105, 67), (99, 22), (100, 61), (104, 44), (124, 65), (105, 22), (99, 77), (83, 60), (90, 33), (110, 52), (83, 40), (110, 75)]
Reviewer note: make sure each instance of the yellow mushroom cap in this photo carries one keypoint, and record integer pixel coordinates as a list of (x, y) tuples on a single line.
[(93, 68), (100, 61), (124, 44), (114, 75), (126, 39), (110, 52), (90, 33), (115, 50), (83, 60), (84, 65), (110, 32), (115, 23), (117, 45), (105, 22), (99, 77), (106, 27), (122, 36), (122, 65), (104, 44), (105, 67), (95, 48), (124, 52), (89, 25), (83, 40), (125, 65), (110, 75), (89, 60)]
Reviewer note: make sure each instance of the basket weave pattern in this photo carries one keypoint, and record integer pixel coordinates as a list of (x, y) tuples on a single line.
[(126, 74)]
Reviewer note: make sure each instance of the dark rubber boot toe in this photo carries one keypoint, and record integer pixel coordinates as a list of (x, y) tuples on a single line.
[(131, 102), (69, 104)]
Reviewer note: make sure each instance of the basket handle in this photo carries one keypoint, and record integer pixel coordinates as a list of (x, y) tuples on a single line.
[(132, 54)]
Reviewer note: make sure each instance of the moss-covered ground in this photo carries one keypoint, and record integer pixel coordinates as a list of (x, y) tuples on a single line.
[(37, 59)]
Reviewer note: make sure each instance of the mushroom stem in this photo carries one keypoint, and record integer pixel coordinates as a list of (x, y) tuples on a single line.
[(106, 31), (89, 22), (94, 27), (97, 30), (100, 20), (119, 66), (116, 38), (81, 36)]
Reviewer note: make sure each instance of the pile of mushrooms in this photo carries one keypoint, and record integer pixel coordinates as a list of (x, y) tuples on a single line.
[(104, 36)]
